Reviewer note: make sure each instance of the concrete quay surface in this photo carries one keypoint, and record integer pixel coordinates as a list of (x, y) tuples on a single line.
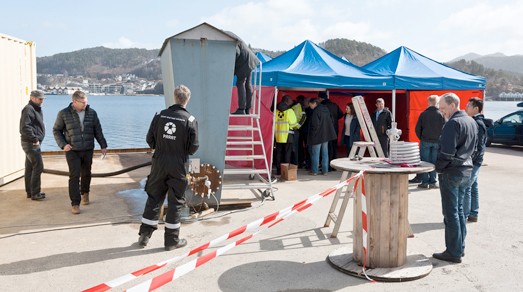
[(46, 248)]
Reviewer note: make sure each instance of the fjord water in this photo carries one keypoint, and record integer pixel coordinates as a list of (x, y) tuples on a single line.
[(126, 119)]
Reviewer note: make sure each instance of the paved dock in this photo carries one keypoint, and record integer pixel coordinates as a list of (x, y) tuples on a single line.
[(43, 247)]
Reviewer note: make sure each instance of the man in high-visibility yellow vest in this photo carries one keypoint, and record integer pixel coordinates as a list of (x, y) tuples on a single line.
[(284, 126)]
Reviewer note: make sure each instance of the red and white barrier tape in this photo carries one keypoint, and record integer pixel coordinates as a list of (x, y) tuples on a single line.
[(175, 273), (255, 225)]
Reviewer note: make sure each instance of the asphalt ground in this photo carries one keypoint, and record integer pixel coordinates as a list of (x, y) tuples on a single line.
[(43, 247)]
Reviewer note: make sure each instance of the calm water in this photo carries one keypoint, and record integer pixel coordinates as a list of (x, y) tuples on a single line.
[(125, 119), (497, 109)]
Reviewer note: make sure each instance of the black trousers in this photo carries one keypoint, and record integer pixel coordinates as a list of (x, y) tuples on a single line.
[(243, 84), (333, 149), (384, 142), (283, 154), (160, 183), (296, 148), (79, 163), (34, 166)]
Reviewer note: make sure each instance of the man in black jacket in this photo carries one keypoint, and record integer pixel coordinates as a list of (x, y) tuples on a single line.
[(428, 130), (336, 114), (454, 166), (471, 201), (174, 136), (382, 121), (321, 131), (74, 130), (32, 132), (245, 62)]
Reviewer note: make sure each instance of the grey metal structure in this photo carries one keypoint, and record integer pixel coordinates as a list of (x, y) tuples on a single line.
[(202, 58)]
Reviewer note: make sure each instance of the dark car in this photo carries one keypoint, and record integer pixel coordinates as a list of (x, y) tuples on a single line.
[(507, 130)]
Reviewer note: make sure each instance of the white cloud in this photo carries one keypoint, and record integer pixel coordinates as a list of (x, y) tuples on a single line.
[(125, 43), (485, 28)]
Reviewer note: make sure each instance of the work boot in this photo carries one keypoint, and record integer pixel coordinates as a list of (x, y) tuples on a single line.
[(239, 111), (446, 256), (37, 197), (181, 243), (85, 198), (75, 209), (143, 240)]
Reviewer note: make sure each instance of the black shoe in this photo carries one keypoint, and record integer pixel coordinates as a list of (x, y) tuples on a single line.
[(181, 243), (38, 197), (472, 219), (239, 112), (248, 111), (143, 240), (445, 256), (415, 180), (29, 196), (433, 186), (424, 186)]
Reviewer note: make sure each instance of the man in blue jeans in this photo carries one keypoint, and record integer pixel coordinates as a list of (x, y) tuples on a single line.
[(454, 166), (321, 131), (471, 201), (428, 130)]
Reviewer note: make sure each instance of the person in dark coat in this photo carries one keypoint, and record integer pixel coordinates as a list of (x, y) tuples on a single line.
[(32, 133), (382, 121), (173, 135), (74, 130), (351, 127), (454, 166), (245, 62), (471, 200), (336, 114), (321, 131), (428, 130)]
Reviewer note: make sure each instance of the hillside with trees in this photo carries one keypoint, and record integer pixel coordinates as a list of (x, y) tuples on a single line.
[(101, 62)]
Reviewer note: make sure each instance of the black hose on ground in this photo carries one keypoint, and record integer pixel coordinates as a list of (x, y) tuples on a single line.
[(66, 173)]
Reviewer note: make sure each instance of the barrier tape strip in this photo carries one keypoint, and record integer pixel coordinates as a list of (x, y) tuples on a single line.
[(253, 226), (175, 273)]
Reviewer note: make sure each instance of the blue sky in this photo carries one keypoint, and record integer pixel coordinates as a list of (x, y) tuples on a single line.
[(439, 29)]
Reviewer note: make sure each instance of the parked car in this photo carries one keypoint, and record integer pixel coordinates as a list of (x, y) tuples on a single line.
[(507, 130)]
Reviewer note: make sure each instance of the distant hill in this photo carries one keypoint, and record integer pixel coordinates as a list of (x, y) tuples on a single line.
[(498, 61), (101, 62), (358, 53)]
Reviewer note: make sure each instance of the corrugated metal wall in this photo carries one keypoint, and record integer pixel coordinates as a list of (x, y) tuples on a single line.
[(17, 79)]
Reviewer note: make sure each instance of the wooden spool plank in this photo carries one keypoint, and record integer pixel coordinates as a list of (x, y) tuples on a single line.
[(394, 217), (403, 217), (373, 183), (385, 222)]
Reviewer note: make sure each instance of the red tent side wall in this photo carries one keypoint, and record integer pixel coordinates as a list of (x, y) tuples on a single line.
[(418, 103), (266, 119)]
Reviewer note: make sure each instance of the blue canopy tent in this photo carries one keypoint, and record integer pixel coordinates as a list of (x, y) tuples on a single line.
[(308, 66), (263, 57), (412, 70), (420, 77)]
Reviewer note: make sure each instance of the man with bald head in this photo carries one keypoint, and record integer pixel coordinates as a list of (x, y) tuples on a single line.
[(428, 130)]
